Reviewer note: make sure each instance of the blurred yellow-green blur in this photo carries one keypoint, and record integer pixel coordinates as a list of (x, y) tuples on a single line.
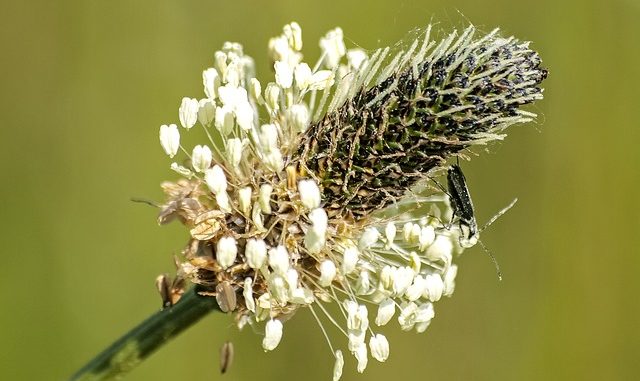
[(86, 84)]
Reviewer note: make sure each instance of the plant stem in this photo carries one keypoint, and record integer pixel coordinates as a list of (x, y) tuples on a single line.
[(136, 345)]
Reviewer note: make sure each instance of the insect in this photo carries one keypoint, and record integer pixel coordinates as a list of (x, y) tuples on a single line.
[(462, 206)]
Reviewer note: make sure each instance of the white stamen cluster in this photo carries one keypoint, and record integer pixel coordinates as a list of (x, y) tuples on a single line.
[(258, 223)]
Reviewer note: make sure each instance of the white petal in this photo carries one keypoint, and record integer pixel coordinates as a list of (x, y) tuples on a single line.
[(302, 74), (188, 112), (327, 273), (440, 250), (337, 367), (450, 280), (201, 158), (279, 259), (210, 81), (368, 238), (332, 47), (244, 200), (265, 198), (390, 233), (170, 139), (309, 193), (226, 251), (361, 356), (427, 236), (284, 74), (386, 310), (256, 253), (321, 80), (349, 259), (234, 151), (299, 117), (407, 317), (206, 112), (355, 58), (434, 287), (273, 335), (379, 346), (244, 115), (247, 292), (293, 33), (224, 120), (216, 179)]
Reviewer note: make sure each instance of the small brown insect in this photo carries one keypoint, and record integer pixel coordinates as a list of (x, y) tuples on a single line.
[(226, 356)]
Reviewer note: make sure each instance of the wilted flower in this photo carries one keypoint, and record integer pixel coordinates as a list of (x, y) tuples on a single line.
[(316, 191)]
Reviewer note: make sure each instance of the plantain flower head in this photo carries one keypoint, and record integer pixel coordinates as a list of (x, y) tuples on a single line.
[(313, 188)]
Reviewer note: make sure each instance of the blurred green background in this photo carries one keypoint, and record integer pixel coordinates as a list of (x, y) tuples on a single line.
[(86, 84)]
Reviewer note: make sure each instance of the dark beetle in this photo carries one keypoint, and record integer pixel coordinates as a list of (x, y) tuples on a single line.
[(462, 205)]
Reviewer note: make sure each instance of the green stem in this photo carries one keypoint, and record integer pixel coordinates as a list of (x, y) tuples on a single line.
[(132, 348)]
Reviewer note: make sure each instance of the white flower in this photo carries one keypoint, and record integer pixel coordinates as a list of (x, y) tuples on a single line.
[(235, 147), (423, 317), (299, 117), (321, 80), (315, 237), (417, 288), (256, 253), (302, 74), (332, 47), (244, 115), (369, 237), (279, 259), (293, 33), (265, 198), (226, 251), (247, 292), (188, 112), (355, 58), (349, 259), (407, 318), (402, 279), (278, 288), (170, 139), (220, 59), (390, 233), (379, 346), (186, 172), (337, 367), (284, 74), (309, 193), (386, 310), (216, 179), (272, 335), (427, 236), (361, 356), (206, 112), (327, 272), (244, 200), (269, 137), (256, 89), (363, 283), (201, 158), (272, 96), (440, 250), (224, 120), (450, 280), (434, 287), (210, 81)]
